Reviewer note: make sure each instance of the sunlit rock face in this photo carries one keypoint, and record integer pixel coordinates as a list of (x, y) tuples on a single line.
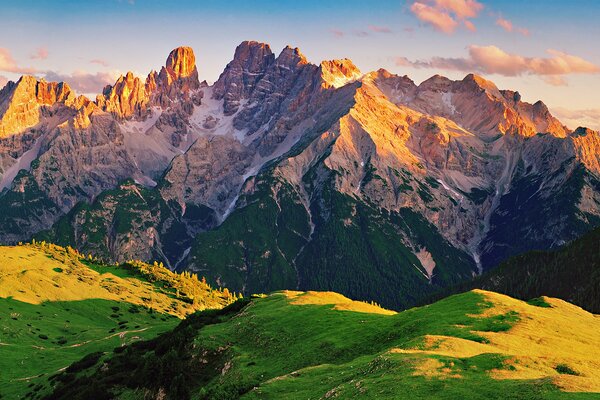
[(29, 101), (181, 63), (130, 96), (468, 158), (337, 73)]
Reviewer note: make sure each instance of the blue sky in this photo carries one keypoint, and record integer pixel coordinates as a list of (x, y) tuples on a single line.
[(61, 38)]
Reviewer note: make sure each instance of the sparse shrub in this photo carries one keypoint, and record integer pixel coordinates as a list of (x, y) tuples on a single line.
[(539, 302), (86, 362), (565, 370)]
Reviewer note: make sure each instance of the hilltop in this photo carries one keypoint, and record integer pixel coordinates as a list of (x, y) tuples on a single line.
[(571, 273), (295, 345), (59, 306)]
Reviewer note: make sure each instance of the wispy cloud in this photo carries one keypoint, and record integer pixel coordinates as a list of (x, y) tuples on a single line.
[(493, 60), (379, 29), (85, 82), (554, 80), (371, 29), (3, 81), (589, 118), (337, 33), (40, 54), (360, 33), (8, 64), (509, 27), (101, 62), (447, 15)]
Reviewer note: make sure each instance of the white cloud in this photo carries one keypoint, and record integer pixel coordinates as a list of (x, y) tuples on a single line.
[(446, 15), (589, 118), (84, 82), (8, 64), (493, 60)]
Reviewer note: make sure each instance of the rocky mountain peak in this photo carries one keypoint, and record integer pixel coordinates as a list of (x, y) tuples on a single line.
[(253, 56), (131, 96), (20, 102), (582, 131), (181, 63), (179, 75), (291, 58), (127, 97), (338, 73), (436, 83), (251, 61), (475, 83), (479, 81), (398, 89)]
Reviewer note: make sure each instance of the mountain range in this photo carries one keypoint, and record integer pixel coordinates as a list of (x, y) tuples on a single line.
[(284, 174)]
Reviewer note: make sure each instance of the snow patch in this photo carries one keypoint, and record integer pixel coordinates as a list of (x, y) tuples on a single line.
[(23, 162), (427, 262), (209, 119), (342, 80), (144, 125), (230, 208), (453, 192), (183, 256), (145, 181), (447, 100)]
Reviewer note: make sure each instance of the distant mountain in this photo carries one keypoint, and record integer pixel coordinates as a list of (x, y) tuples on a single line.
[(284, 174), (316, 345)]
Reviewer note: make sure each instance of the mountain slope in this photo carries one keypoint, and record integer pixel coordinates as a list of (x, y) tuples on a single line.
[(460, 175), (571, 273), (477, 345), (58, 307)]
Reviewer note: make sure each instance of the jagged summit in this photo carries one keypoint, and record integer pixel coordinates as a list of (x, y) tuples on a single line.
[(181, 63), (291, 57), (21, 102), (338, 73), (461, 155), (251, 61)]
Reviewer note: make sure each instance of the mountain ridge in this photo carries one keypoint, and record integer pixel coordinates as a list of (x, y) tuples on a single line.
[(458, 160)]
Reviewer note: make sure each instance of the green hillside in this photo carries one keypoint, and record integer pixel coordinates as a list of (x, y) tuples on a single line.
[(320, 345), (354, 248), (57, 307)]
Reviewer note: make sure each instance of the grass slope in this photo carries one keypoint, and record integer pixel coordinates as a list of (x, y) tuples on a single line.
[(294, 345), (56, 308)]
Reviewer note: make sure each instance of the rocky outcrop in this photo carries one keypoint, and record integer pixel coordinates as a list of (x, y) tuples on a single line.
[(249, 65), (129, 96), (338, 73), (177, 80), (30, 101)]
